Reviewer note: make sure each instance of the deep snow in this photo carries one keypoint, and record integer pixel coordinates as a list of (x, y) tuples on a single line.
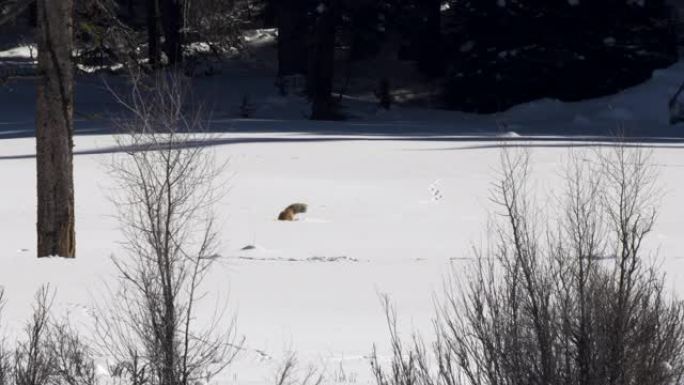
[(396, 200), (385, 216)]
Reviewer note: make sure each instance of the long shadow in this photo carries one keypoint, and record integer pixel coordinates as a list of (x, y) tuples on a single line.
[(567, 143), (494, 142), (95, 104), (436, 130)]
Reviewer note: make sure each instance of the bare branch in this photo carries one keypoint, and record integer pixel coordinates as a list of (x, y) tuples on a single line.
[(166, 192)]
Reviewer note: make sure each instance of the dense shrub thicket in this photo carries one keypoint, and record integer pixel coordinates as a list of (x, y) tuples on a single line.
[(569, 301)]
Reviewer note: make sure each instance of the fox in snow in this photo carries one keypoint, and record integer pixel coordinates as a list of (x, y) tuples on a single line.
[(290, 211)]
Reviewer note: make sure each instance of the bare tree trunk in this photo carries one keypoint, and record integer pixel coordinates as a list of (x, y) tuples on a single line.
[(33, 14), (153, 33), (292, 32), (322, 62), (54, 129), (172, 20)]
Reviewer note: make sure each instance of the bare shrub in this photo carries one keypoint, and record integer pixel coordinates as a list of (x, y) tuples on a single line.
[(166, 188), (409, 361), (5, 355), (73, 361), (572, 300), (33, 360), (51, 352), (291, 373)]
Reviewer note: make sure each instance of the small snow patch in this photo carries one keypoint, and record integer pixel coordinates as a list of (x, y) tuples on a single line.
[(24, 52), (313, 220), (467, 46), (509, 134), (609, 41)]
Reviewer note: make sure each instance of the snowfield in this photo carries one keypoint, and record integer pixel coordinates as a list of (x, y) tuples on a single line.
[(396, 201), (385, 216)]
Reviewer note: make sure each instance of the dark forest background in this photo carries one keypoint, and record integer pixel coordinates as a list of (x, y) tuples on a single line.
[(470, 55)]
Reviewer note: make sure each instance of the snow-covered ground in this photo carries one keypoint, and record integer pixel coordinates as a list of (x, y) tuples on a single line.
[(396, 200), (385, 216)]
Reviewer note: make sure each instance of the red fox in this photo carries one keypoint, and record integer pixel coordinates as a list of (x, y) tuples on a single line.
[(290, 211)]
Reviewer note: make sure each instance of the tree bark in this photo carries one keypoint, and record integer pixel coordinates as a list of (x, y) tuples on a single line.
[(153, 33), (322, 62), (430, 60), (172, 20), (54, 129), (292, 36)]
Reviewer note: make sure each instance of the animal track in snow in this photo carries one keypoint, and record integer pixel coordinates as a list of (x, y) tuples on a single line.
[(435, 192)]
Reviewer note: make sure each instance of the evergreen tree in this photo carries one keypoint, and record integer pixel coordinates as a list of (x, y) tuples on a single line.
[(173, 23), (322, 60), (153, 33), (293, 34)]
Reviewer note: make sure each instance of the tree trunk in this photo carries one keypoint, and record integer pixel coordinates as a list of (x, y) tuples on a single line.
[(322, 62), (54, 129), (172, 20), (153, 33), (130, 8), (430, 60), (292, 35), (33, 14), (365, 35)]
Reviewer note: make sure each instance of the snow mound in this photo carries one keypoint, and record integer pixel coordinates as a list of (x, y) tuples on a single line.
[(509, 134)]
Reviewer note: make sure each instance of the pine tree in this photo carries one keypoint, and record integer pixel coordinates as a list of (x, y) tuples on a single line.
[(173, 25), (153, 33), (293, 34), (322, 61), (430, 59)]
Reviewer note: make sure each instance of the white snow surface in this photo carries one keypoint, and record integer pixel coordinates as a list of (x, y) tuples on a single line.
[(22, 51), (385, 216)]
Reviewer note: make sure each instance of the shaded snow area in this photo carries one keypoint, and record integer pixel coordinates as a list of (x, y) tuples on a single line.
[(384, 216), (241, 96)]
